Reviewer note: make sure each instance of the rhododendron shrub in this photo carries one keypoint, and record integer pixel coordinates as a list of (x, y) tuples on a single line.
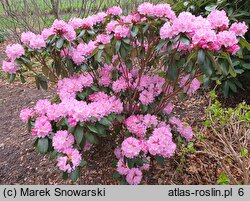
[(119, 76)]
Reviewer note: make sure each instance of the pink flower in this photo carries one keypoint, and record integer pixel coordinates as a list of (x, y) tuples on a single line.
[(47, 32), (26, 114), (111, 26), (150, 120), (186, 131), (42, 106), (115, 10), (218, 19), (134, 176), (87, 23), (160, 142), (175, 121), (72, 121), (103, 39), (87, 146), (99, 17), (164, 10), (75, 22), (37, 42), (63, 29), (69, 162), (233, 49), (146, 97), (136, 126), (182, 127), (131, 147), (55, 112), (14, 51), (122, 31), (203, 37), (10, 67), (122, 168), (166, 31), (63, 140), (169, 108), (97, 96), (118, 153), (190, 88), (105, 75), (239, 28), (42, 127), (132, 18), (119, 85), (227, 38), (146, 8), (26, 37), (194, 86)]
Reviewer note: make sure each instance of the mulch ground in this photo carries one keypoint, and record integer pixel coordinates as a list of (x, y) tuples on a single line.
[(20, 164)]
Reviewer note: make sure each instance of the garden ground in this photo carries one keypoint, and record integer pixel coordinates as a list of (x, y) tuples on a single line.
[(20, 164)]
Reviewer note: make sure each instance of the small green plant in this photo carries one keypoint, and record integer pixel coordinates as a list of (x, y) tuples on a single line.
[(223, 179), (230, 129)]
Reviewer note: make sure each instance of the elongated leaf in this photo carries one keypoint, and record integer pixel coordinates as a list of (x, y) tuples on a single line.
[(78, 134), (75, 174), (42, 145), (90, 137), (117, 46), (104, 121), (59, 43)]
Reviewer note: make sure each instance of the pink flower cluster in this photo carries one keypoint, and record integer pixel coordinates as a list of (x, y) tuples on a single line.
[(239, 28), (32, 40), (160, 142), (89, 22), (63, 29), (100, 106), (105, 75), (138, 124), (68, 87), (10, 67), (131, 147), (192, 87), (26, 114), (80, 53), (159, 10), (13, 52), (70, 161), (115, 10), (182, 127), (62, 141), (42, 127), (207, 33)]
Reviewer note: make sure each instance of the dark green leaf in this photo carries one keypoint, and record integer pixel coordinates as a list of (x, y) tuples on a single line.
[(117, 46), (92, 128), (116, 175), (119, 118), (59, 43), (42, 145), (75, 174), (159, 159), (160, 45), (184, 40), (65, 175), (83, 163), (104, 121), (134, 31), (90, 137), (78, 134)]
